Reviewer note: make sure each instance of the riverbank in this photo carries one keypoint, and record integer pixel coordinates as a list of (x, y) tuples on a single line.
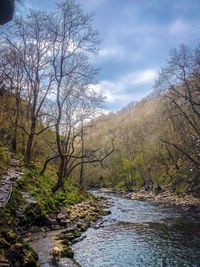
[(65, 230), (32, 209), (182, 201), (31, 244)]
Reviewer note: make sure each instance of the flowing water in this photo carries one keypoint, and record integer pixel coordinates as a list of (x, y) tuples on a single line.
[(140, 233)]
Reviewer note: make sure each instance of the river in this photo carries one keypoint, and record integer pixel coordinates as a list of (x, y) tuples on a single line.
[(140, 234)]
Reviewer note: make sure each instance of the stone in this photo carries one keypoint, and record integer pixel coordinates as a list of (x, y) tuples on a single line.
[(67, 252), (22, 255), (70, 229), (61, 216)]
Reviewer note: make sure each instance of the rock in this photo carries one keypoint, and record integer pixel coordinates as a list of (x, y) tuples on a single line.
[(4, 262), (79, 239), (56, 253), (83, 226), (34, 215), (52, 221), (61, 216), (55, 227), (106, 212), (10, 235), (4, 243), (70, 229), (67, 252), (21, 255)]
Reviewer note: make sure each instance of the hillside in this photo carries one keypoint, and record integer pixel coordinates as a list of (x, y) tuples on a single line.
[(142, 158), (82, 189)]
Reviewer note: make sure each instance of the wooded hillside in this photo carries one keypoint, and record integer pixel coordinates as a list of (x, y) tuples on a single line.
[(157, 139)]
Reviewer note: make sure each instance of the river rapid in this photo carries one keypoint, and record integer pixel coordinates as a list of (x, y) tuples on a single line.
[(140, 234)]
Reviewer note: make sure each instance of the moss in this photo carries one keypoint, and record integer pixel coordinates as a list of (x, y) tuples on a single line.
[(40, 187), (8, 214), (21, 254), (3, 243), (83, 226), (67, 252), (4, 159), (181, 188), (35, 213)]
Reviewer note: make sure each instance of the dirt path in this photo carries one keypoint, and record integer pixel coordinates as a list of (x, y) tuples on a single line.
[(7, 180)]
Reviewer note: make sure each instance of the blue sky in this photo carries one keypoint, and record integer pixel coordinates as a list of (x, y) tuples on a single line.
[(137, 36)]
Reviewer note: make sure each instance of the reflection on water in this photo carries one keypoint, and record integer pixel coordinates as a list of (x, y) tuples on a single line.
[(139, 233)]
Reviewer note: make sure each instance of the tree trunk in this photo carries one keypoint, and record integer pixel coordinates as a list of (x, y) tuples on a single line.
[(148, 182), (23, 143), (58, 185), (30, 142), (14, 140), (59, 182), (81, 185)]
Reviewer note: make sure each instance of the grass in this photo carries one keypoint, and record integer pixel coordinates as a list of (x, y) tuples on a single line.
[(40, 188), (4, 159)]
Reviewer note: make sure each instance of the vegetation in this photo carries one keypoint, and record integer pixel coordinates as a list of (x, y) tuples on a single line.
[(49, 119), (157, 140), (46, 108), (49, 113), (31, 204), (4, 159), (46, 77)]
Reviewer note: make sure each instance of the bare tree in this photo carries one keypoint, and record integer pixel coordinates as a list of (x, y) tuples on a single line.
[(73, 38), (53, 50), (29, 40), (14, 83), (179, 84)]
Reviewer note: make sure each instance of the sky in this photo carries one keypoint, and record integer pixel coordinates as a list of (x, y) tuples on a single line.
[(137, 37)]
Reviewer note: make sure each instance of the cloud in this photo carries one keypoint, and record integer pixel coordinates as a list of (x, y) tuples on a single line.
[(179, 28), (92, 4), (136, 39), (139, 77), (132, 86), (111, 52)]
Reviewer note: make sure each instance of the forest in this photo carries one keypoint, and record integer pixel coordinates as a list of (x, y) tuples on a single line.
[(157, 138), (47, 79), (54, 129)]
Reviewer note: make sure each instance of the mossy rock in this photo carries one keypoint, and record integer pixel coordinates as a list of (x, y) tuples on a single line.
[(106, 212), (77, 234), (65, 242), (4, 244), (9, 235), (83, 226), (31, 258), (67, 252), (22, 255), (34, 214)]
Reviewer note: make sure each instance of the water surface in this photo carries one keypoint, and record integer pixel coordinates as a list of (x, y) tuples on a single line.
[(140, 234)]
